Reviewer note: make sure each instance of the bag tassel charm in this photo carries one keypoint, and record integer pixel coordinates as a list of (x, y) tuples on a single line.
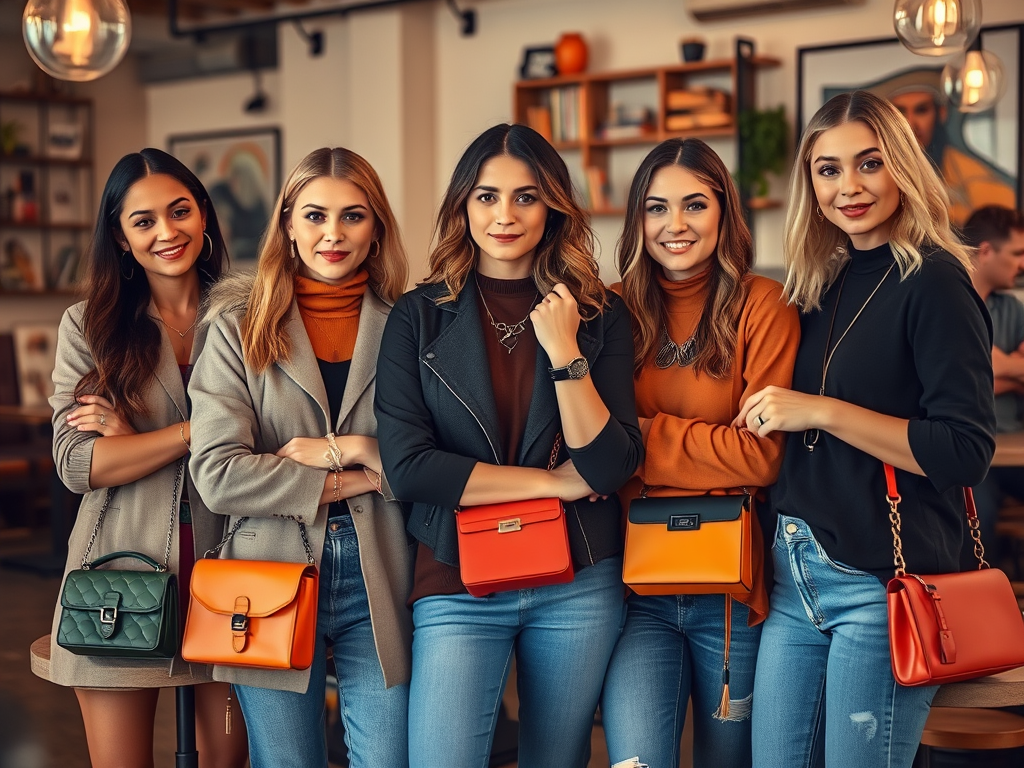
[(722, 713)]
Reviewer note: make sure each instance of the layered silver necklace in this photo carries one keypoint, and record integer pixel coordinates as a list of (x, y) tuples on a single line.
[(670, 352)]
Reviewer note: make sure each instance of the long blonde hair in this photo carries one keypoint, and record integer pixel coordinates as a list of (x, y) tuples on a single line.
[(263, 339), (566, 252), (727, 291), (815, 248)]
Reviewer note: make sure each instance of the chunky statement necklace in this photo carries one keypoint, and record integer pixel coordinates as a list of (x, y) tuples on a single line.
[(811, 435), (670, 352), (508, 333)]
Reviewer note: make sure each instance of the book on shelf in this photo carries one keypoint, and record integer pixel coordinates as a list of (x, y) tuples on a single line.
[(597, 187), (685, 121), (539, 118), (565, 109), (616, 132), (698, 99)]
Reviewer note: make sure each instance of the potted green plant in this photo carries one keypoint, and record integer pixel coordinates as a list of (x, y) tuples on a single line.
[(764, 147), (8, 136)]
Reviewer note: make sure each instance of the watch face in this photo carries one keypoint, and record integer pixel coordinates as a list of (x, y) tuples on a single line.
[(578, 368)]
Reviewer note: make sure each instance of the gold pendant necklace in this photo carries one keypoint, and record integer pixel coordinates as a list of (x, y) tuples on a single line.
[(811, 435)]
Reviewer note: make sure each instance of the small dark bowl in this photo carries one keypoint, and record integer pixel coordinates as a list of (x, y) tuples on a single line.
[(692, 51)]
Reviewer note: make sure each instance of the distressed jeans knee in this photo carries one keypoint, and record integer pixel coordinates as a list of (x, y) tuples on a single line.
[(633, 762), (739, 710)]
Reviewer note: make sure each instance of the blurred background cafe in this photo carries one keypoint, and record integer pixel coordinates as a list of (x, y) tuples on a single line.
[(240, 90)]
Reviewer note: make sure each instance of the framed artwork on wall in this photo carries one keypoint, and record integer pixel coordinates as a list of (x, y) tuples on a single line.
[(979, 156), (35, 354), (242, 172)]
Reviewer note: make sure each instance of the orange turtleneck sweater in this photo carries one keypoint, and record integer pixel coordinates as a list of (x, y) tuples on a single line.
[(331, 314), (691, 449)]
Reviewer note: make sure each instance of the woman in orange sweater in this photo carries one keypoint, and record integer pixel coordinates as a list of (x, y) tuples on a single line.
[(707, 334)]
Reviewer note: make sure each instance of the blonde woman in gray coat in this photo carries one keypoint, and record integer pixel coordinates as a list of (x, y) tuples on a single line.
[(121, 432), (287, 378)]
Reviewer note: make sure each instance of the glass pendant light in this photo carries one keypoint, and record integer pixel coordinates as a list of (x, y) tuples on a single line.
[(937, 27), (76, 40), (974, 82)]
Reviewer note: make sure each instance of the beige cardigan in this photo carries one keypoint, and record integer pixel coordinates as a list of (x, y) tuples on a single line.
[(139, 512), (241, 419)]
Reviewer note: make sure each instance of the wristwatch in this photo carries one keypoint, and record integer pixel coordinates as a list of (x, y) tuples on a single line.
[(576, 369)]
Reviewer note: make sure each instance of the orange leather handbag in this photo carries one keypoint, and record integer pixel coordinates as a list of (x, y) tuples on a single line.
[(951, 626), (689, 545), (252, 613), (514, 545)]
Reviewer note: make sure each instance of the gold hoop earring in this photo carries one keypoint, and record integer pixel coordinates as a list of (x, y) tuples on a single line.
[(375, 253), (821, 216), (295, 250)]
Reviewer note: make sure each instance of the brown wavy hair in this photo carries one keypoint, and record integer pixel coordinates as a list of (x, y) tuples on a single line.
[(123, 339), (727, 290), (566, 251), (263, 339)]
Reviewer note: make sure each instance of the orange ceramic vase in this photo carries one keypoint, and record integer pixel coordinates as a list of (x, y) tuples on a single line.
[(571, 54)]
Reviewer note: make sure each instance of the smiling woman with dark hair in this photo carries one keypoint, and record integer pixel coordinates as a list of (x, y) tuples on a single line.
[(122, 431), (510, 343)]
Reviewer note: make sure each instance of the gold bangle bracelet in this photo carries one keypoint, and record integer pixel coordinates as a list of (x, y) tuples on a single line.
[(181, 431)]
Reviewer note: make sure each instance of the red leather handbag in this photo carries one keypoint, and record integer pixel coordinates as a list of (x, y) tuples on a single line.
[(514, 545), (948, 627)]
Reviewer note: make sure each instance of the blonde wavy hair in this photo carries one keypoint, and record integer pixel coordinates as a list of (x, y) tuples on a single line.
[(263, 339), (565, 253), (727, 290), (815, 248)]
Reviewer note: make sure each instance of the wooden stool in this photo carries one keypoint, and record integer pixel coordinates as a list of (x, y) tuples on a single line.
[(971, 728), (39, 652)]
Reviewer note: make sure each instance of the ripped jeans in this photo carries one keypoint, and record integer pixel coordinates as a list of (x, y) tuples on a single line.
[(826, 643), (671, 649)]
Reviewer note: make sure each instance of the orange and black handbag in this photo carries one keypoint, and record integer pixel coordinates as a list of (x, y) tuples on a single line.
[(689, 545)]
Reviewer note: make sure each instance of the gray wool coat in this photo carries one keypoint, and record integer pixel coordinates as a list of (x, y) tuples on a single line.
[(139, 512), (242, 418)]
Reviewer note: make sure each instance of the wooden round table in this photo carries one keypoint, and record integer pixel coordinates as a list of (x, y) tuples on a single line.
[(1003, 690)]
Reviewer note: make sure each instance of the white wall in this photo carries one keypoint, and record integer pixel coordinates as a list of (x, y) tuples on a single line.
[(475, 75)]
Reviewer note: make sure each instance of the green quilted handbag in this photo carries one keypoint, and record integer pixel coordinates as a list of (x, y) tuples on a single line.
[(121, 613)]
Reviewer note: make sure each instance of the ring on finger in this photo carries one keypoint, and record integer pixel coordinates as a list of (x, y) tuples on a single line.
[(760, 421), (103, 419)]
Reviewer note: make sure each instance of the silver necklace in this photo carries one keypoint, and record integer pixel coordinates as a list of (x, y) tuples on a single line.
[(670, 352), (508, 333), (811, 435)]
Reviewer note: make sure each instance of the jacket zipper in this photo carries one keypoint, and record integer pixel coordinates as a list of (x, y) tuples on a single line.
[(585, 539), (479, 423)]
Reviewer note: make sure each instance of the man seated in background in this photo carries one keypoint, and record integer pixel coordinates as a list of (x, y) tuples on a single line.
[(997, 235)]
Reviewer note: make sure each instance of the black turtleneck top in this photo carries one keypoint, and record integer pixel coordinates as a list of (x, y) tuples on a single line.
[(921, 350)]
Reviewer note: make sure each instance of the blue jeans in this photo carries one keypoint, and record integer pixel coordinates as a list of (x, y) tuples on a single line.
[(562, 636), (672, 648), (286, 729), (826, 643)]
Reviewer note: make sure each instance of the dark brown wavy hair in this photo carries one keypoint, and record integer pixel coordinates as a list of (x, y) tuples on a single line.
[(566, 251), (727, 290), (122, 337)]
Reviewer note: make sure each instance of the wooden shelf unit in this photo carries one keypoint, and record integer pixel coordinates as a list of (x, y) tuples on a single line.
[(55, 238), (595, 93)]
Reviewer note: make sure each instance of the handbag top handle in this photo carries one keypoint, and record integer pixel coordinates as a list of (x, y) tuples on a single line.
[(86, 565), (893, 498), (238, 524)]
